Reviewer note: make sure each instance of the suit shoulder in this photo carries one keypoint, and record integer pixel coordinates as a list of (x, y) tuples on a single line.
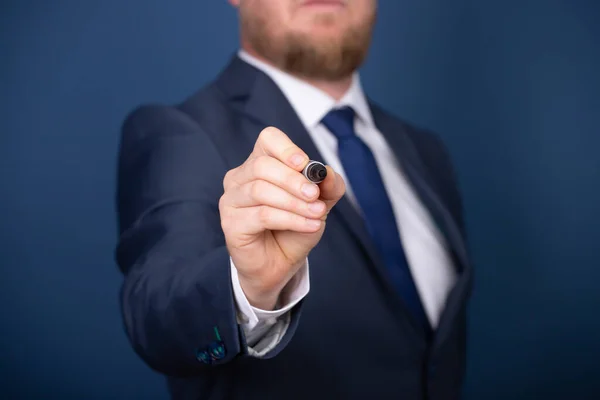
[(196, 112), (156, 118)]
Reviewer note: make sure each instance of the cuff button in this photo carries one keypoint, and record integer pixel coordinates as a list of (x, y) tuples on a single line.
[(217, 350), (203, 356)]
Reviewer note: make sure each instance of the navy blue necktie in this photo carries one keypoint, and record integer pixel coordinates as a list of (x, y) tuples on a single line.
[(366, 183)]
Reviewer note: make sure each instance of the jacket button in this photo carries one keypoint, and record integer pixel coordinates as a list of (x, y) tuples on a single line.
[(203, 356), (217, 350)]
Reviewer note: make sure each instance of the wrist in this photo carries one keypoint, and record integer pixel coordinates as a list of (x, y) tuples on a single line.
[(266, 303), (259, 297)]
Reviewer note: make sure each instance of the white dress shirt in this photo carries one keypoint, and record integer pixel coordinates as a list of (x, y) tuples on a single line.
[(425, 248)]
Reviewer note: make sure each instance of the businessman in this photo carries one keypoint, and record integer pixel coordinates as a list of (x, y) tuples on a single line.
[(243, 279)]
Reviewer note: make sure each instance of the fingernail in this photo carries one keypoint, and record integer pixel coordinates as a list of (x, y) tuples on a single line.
[(316, 207), (309, 189), (297, 160), (313, 223)]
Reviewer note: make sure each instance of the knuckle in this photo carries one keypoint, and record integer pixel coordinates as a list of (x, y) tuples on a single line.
[(264, 215), (256, 190), (222, 202), (265, 136), (291, 149), (227, 179), (267, 133), (292, 203), (260, 166), (295, 181), (298, 221), (224, 214), (225, 224), (257, 165)]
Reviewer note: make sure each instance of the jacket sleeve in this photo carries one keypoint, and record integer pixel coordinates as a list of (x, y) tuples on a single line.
[(177, 302)]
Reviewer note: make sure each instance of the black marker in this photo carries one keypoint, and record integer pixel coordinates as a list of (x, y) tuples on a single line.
[(315, 172)]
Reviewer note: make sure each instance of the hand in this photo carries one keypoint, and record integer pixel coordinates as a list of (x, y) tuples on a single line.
[(272, 216)]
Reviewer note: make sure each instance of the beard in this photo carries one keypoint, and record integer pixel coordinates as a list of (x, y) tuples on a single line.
[(320, 58)]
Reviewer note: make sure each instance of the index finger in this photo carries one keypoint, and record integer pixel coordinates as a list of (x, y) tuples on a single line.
[(273, 142)]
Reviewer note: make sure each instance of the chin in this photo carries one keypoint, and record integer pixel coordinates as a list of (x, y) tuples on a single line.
[(317, 19), (323, 30)]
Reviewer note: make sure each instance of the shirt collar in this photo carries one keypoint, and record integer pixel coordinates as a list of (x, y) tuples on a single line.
[(312, 104)]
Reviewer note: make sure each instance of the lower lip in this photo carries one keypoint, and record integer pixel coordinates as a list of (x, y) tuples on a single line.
[(324, 4)]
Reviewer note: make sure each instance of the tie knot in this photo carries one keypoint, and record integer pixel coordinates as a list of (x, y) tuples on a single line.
[(340, 121)]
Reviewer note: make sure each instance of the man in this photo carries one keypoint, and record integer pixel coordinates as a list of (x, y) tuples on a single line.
[(243, 279)]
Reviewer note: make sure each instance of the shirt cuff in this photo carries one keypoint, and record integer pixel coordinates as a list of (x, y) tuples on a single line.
[(263, 343), (296, 289)]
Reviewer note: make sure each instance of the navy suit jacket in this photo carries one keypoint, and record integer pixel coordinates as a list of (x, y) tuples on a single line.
[(350, 338)]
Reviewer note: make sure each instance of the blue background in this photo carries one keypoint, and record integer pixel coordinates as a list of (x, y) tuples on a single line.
[(512, 86)]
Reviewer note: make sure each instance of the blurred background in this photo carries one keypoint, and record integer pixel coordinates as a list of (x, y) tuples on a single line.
[(512, 86)]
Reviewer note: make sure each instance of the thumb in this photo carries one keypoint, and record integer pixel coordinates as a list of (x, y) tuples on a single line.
[(332, 188)]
